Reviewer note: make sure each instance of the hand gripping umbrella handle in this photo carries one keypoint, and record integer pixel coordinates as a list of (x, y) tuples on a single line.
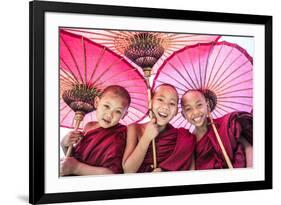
[(150, 116), (228, 162), (78, 119)]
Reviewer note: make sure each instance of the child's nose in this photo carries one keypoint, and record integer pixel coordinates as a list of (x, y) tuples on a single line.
[(108, 114)]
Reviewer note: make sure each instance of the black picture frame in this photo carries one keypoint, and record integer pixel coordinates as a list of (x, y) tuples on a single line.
[(37, 11)]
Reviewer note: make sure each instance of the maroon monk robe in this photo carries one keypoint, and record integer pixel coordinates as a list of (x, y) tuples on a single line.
[(103, 148), (174, 148), (231, 128)]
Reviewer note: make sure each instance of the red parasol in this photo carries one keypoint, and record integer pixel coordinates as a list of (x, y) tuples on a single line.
[(86, 68), (223, 70)]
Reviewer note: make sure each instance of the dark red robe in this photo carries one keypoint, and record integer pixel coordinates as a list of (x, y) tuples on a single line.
[(231, 128), (174, 148), (103, 148)]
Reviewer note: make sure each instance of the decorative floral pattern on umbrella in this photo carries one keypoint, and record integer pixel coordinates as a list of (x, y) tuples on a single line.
[(223, 70), (143, 49), (86, 68)]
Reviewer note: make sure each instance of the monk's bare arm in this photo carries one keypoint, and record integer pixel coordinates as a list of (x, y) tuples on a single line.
[(135, 150), (192, 166), (84, 169), (248, 151)]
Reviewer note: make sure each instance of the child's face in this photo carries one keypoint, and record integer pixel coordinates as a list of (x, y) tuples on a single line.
[(164, 104), (110, 108), (195, 108)]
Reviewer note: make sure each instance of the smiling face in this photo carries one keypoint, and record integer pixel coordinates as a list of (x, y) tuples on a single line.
[(110, 108), (165, 104), (195, 108)]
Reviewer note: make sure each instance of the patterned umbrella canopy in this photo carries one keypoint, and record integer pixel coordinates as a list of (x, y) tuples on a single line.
[(223, 70), (143, 49), (86, 68)]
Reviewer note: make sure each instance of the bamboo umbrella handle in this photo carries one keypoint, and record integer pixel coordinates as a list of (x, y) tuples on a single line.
[(228, 162), (150, 116), (78, 119)]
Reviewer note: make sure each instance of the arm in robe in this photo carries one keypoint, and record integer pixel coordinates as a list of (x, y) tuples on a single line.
[(102, 148), (181, 157)]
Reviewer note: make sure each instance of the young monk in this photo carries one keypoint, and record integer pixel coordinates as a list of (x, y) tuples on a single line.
[(101, 148), (174, 147), (235, 130)]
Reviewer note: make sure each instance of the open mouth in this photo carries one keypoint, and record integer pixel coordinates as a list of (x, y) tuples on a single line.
[(197, 119), (106, 121), (163, 115)]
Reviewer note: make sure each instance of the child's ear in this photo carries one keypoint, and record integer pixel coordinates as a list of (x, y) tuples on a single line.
[(208, 107), (97, 99)]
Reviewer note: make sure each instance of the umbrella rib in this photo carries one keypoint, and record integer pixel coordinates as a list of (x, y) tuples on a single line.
[(120, 73), (65, 106), (109, 68), (214, 113), (98, 63), (160, 81), (131, 117), (234, 78), (71, 54), (179, 117), (141, 105), (238, 103), (71, 79), (136, 92), (221, 89), (215, 81), (65, 116), (199, 62), (234, 109), (73, 75), (65, 84), (234, 91), (212, 69), (219, 107), (173, 79), (226, 69), (85, 60), (237, 77), (136, 98), (101, 84), (66, 80), (186, 70), (236, 96), (179, 74), (207, 63), (134, 115), (194, 71), (180, 124)]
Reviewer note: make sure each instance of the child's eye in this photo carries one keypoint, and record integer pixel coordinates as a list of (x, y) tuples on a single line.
[(172, 104), (106, 106), (160, 99), (118, 112)]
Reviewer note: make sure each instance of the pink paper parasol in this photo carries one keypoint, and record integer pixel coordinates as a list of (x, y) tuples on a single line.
[(143, 49), (223, 70), (86, 68)]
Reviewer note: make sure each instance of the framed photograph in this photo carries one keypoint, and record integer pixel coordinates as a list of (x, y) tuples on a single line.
[(98, 72)]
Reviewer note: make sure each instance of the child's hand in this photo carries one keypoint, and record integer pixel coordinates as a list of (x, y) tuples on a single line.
[(68, 166), (71, 138), (151, 129)]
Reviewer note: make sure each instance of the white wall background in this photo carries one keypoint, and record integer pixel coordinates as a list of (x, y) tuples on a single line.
[(14, 44)]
